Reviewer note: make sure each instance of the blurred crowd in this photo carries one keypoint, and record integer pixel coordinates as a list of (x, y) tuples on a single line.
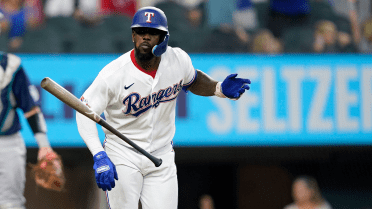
[(306, 194), (197, 26)]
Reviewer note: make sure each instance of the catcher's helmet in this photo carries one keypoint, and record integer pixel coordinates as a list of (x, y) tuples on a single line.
[(152, 17)]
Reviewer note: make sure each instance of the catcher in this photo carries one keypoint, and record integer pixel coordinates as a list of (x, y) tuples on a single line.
[(18, 93)]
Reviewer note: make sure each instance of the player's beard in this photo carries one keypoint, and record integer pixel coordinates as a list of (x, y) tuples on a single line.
[(143, 57)]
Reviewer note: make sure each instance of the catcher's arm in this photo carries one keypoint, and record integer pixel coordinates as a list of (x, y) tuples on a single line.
[(48, 171), (37, 124)]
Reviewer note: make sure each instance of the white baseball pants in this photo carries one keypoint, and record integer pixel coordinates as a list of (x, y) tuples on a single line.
[(139, 179)]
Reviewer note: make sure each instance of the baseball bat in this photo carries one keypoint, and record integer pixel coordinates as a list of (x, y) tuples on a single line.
[(75, 103)]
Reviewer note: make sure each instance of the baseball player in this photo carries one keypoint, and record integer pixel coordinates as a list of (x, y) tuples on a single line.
[(137, 93), (17, 92)]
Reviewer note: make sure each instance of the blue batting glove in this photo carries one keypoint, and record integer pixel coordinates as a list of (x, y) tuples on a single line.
[(105, 171), (233, 87)]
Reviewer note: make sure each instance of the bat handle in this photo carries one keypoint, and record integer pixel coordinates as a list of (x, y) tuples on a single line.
[(157, 162)]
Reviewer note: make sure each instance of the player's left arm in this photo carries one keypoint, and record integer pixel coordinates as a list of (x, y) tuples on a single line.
[(232, 87), (204, 85)]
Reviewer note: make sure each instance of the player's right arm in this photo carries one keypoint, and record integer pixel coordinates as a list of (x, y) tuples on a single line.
[(88, 131), (96, 97)]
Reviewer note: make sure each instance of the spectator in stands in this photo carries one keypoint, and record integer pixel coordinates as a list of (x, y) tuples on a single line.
[(366, 41), (306, 194), (195, 13), (266, 43), (119, 7), (206, 202), (239, 13), (357, 11), (186, 3), (195, 17), (145, 3), (184, 14), (359, 16), (224, 39), (88, 12), (231, 19), (35, 13), (190, 4), (197, 29), (14, 22), (244, 19), (346, 38), (186, 23), (56, 8), (327, 38), (244, 15), (342, 7), (219, 12), (288, 13)]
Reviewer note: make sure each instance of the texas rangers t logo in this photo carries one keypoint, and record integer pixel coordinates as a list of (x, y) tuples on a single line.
[(149, 14)]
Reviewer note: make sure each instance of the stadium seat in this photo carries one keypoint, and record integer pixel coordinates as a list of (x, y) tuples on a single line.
[(321, 10), (219, 41), (194, 40), (118, 28), (3, 42), (298, 40), (343, 24), (63, 24), (93, 40), (67, 28), (42, 40), (176, 16), (117, 23), (262, 12)]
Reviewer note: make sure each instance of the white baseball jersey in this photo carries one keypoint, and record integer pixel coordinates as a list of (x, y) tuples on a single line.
[(140, 105)]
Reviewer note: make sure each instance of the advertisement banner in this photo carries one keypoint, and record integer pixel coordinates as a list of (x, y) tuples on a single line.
[(294, 100)]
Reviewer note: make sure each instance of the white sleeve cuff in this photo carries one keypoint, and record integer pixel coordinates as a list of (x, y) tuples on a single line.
[(42, 140), (218, 91)]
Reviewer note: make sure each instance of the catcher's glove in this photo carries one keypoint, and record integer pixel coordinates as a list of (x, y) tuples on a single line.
[(49, 173)]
